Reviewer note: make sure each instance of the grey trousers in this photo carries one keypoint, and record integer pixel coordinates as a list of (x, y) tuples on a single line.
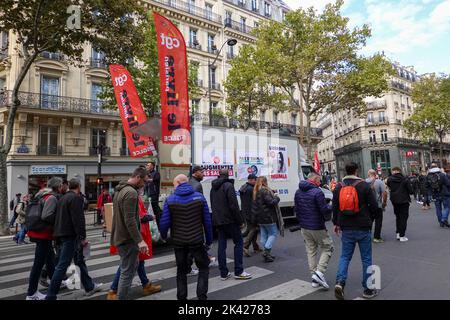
[(129, 261), (315, 239)]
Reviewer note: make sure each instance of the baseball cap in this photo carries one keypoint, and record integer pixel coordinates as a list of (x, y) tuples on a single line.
[(197, 168), (252, 176)]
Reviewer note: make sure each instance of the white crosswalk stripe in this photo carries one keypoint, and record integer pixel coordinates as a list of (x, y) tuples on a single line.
[(290, 290)]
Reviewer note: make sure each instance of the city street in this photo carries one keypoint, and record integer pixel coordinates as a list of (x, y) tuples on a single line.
[(411, 270)]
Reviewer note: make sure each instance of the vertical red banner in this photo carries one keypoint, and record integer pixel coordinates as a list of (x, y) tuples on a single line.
[(131, 111), (173, 74), (316, 163)]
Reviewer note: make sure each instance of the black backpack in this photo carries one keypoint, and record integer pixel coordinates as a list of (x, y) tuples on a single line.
[(11, 205), (435, 182), (33, 215)]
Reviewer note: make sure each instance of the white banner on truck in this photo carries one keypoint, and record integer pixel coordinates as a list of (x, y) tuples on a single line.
[(278, 162), (250, 163)]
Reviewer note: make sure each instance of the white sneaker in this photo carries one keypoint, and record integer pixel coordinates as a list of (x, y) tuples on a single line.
[(320, 279), (314, 284), (243, 276), (398, 236), (193, 272), (36, 296), (226, 277), (213, 262), (97, 288), (403, 239)]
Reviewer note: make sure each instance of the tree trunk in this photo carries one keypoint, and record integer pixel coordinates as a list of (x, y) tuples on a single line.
[(4, 229), (308, 135), (441, 151), (301, 114)]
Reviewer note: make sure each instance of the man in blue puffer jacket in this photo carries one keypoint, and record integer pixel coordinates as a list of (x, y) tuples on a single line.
[(312, 211), (187, 215)]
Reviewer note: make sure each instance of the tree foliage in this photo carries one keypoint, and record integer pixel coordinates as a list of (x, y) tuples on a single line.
[(317, 54), (431, 118), (41, 25)]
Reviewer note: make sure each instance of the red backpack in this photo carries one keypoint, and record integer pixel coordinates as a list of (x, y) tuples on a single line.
[(348, 199)]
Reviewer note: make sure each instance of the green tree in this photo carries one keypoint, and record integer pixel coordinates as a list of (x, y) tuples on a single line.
[(317, 54), (40, 26), (144, 69), (248, 89), (431, 119)]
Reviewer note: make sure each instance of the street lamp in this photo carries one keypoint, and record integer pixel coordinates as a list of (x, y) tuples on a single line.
[(230, 42)]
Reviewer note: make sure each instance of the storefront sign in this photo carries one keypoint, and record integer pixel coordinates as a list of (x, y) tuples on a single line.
[(47, 169), (409, 154)]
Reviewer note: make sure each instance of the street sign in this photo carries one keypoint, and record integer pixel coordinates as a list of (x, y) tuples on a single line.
[(47, 169)]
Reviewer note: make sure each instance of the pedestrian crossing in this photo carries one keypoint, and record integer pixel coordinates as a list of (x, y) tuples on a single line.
[(15, 268)]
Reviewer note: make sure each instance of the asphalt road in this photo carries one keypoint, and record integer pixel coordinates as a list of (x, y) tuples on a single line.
[(412, 270)]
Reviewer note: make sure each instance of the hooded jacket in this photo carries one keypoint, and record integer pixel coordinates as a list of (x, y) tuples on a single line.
[(50, 200), (126, 223), (311, 207), (186, 214), (444, 183), (70, 221), (264, 209), (246, 194), (400, 188), (196, 185), (368, 207), (224, 204)]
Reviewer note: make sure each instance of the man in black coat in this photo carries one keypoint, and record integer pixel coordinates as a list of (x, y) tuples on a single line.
[(228, 219), (246, 194), (400, 190), (70, 234), (152, 189)]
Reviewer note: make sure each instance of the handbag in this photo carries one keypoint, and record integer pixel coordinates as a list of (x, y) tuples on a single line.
[(156, 236)]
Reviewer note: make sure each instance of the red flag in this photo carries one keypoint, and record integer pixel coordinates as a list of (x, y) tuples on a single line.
[(173, 76), (131, 111), (316, 163)]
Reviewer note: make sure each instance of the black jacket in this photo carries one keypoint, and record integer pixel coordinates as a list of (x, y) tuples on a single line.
[(367, 204), (246, 194), (224, 204), (264, 207), (69, 220), (152, 187), (196, 184), (400, 188), (423, 184)]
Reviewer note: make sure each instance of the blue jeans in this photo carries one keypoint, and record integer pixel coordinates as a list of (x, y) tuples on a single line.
[(349, 240), (234, 232), (140, 271), (22, 233), (43, 255), (70, 249), (269, 234), (442, 208)]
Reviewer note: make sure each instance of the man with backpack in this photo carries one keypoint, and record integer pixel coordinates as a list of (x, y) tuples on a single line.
[(12, 206), (39, 220), (400, 190), (439, 184), (379, 188), (354, 208)]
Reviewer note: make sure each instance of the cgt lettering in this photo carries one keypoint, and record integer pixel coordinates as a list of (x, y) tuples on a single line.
[(169, 42)]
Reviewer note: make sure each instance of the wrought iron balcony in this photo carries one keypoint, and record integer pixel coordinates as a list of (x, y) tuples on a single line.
[(212, 49), (376, 122), (57, 103), (192, 9), (238, 26), (49, 150), (93, 151), (376, 105), (215, 86), (52, 55), (98, 63), (195, 45)]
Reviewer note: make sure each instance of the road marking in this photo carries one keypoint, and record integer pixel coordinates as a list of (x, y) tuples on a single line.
[(214, 284), (290, 290)]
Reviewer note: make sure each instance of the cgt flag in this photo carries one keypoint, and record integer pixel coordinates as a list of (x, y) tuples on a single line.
[(173, 76), (131, 111), (316, 163)]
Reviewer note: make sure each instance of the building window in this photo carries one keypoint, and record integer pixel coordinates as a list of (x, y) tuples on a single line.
[(283, 15), (255, 5), (211, 45), (256, 24), (275, 117), (293, 119), (241, 3), (262, 115), (228, 18), (208, 11), (267, 9), (124, 149), (193, 37), (372, 137), (191, 6), (96, 103), (381, 116), (243, 24), (98, 58), (3, 40), (49, 92), (230, 51), (195, 106), (384, 136), (2, 84), (370, 117), (214, 105), (2, 134), (48, 140), (212, 75), (98, 137), (381, 157)]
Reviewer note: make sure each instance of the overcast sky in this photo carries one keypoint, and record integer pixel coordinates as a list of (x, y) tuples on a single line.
[(412, 32)]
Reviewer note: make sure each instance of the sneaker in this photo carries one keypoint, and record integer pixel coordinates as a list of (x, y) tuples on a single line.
[(228, 276), (403, 239), (150, 288), (339, 291), (112, 295), (441, 224), (243, 276), (381, 240), (320, 278), (314, 283), (213, 262), (193, 272), (36, 296), (370, 293), (247, 252), (43, 282), (398, 236), (446, 224), (97, 288)]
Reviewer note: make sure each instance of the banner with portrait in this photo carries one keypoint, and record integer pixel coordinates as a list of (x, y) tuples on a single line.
[(278, 162)]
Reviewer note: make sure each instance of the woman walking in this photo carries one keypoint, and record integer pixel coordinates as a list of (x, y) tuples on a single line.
[(264, 213)]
